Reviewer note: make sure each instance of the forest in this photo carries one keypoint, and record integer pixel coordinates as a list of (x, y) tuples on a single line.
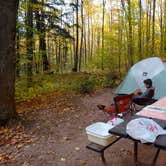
[(55, 49), (54, 40), (89, 35)]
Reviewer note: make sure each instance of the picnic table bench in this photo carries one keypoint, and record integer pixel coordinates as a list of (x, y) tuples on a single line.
[(100, 149)]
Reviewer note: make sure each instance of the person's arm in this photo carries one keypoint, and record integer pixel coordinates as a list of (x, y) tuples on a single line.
[(137, 92)]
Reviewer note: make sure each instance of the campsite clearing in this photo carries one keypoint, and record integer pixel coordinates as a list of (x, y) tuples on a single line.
[(60, 137)]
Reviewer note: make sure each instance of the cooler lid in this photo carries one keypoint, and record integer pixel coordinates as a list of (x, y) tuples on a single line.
[(100, 129)]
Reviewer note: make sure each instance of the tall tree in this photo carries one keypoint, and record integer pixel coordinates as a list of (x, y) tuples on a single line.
[(42, 39), (29, 41), (88, 33), (130, 44), (153, 28), (120, 42), (41, 28), (103, 21), (164, 22), (148, 25), (82, 33), (129, 31), (17, 50), (140, 31), (161, 28), (8, 16), (75, 68)]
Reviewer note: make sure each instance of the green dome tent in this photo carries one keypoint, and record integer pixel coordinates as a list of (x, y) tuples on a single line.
[(153, 68)]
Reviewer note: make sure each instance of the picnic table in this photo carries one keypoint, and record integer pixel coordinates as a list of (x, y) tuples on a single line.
[(156, 110), (160, 142)]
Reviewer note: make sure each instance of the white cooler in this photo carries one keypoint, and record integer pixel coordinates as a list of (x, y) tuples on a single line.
[(98, 133)]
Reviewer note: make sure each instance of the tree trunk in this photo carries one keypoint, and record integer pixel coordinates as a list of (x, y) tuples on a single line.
[(65, 50), (29, 41), (130, 46), (75, 68), (119, 43), (140, 31), (88, 37), (40, 24), (58, 57), (17, 51), (82, 34), (161, 29), (85, 47), (148, 25), (42, 44), (8, 13), (92, 41), (103, 20), (147, 29), (164, 22), (153, 28)]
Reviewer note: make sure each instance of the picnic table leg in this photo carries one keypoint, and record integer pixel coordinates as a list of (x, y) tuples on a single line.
[(156, 156), (102, 157), (135, 150)]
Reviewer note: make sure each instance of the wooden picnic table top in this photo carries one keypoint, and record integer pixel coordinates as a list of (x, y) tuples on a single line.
[(120, 130)]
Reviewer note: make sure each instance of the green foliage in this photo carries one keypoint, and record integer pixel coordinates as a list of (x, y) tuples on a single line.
[(40, 85), (104, 82), (86, 85), (71, 82)]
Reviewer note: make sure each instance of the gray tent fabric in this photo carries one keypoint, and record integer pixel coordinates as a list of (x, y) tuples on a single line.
[(152, 68), (165, 64)]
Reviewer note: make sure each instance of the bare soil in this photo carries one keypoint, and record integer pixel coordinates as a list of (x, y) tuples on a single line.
[(58, 123)]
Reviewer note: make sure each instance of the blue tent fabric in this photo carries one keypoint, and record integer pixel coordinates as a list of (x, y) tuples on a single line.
[(160, 86), (130, 82)]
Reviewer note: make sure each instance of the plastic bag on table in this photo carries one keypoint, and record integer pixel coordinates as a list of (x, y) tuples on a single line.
[(114, 121), (143, 129)]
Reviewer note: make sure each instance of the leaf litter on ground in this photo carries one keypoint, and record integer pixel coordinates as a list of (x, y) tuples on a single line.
[(16, 137)]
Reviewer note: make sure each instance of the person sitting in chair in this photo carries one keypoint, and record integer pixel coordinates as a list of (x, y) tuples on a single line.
[(149, 93), (140, 98)]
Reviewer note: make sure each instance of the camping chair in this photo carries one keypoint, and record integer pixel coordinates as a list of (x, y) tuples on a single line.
[(120, 106), (143, 101)]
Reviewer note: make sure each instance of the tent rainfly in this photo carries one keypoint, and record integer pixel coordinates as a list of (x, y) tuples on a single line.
[(153, 68)]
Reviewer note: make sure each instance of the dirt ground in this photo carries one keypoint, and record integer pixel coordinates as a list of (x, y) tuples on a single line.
[(58, 124)]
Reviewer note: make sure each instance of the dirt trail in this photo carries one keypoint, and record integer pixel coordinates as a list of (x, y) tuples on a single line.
[(61, 137)]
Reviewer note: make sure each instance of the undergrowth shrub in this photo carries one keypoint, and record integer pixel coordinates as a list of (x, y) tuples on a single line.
[(86, 85), (73, 82)]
